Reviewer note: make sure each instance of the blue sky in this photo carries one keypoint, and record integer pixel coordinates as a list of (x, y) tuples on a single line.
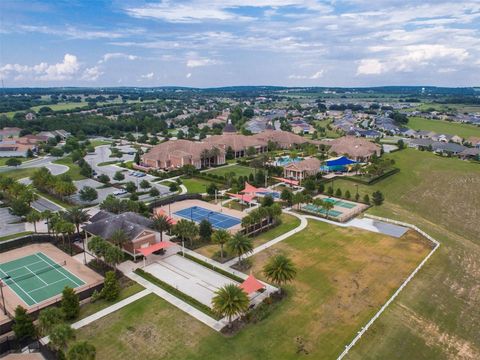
[(204, 43)]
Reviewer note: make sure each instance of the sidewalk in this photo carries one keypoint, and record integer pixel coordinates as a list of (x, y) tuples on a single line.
[(102, 313)]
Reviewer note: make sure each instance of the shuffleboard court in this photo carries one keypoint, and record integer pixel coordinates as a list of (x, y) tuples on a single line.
[(217, 219), (36, 277)]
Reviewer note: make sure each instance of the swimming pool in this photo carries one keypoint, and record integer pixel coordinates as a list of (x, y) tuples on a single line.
[(318, 210), (285, 160), (274, 194)]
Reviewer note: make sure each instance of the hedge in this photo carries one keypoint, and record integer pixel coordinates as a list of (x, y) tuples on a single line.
[(212, 267), (177, 293), (374, 180)]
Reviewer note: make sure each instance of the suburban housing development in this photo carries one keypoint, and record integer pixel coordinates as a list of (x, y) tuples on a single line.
[(191, 180)]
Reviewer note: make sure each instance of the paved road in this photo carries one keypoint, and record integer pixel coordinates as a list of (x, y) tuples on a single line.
[(55, 169), (43, 204)]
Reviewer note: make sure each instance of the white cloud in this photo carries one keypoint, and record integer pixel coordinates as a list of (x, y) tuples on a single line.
[(64, 70), (410, 58), (188, 76), (148, 76), (199, 62), (314, 76), (109, 56), (91, 74)]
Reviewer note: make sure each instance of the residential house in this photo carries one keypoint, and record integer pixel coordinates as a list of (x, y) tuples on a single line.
[(9, 132), (447, 148), (358, 149)]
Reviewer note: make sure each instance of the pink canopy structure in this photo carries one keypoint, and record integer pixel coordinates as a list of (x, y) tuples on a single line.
[(252, 190), (242, 197), (287, 181), (155, 247), (251, 285)]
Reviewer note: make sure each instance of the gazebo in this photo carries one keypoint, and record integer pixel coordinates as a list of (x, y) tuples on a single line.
[(146, 251)]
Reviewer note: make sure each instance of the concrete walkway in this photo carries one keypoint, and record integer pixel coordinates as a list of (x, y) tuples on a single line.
[(102, 313)]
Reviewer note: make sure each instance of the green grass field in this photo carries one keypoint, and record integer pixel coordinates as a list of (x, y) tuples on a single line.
[(446, 127), (62, 106), (96, 143), (437, 316), (239, 170), (197, 186), (344, 276), (18, 174), (289, 222), (4, 160), (74, 169)]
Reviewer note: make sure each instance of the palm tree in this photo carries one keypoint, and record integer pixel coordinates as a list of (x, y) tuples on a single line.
[(221, 237), (230, 301), (119, 237), (205, 154), (297, 199), (247, 223), (33, 217), (68, 228), (280, 270), (327, 205), (77, 216), (185, 230), (47, 215), (319, 203), (161, 223), (240, 244)]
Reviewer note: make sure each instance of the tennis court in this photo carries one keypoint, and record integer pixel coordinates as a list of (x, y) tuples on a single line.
[(318, 210), (340, 203), (217, 219), (36, 277)]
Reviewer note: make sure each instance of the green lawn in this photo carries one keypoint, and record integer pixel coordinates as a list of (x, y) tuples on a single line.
[(62, 106), (74, 169), (344, 275), (239, 170), (4, 160), (197, 186), (18, 174), (289, 222), (437, 316), (91, 308), (14, 236), (96, 143), (446, 127)]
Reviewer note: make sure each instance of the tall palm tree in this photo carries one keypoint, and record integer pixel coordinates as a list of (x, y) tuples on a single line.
[(230, 301), (280, 270), (161, 223), (119, 237), (327, 205), (33, 217), (240, 244), (221, 237), (77, 216), (47, 215)]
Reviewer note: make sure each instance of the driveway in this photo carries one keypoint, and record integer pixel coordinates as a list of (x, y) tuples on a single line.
[(6, 220), (189, 277), (43, 204)]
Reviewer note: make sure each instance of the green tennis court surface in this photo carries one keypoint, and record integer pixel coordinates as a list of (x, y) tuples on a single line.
[(341, 203), (318, 210), (35, 278)]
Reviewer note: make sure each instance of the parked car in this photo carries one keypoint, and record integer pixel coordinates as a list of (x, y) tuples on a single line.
[(120, 192)]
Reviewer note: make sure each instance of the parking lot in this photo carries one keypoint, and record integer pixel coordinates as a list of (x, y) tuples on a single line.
[(98, 186), (6, 220)]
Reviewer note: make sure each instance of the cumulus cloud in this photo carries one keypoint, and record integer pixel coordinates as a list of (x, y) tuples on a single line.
[(91, 74), (147, 76), (410, 58), (64, 70)]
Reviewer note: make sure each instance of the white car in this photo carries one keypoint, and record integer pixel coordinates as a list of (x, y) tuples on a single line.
[(120, 192)]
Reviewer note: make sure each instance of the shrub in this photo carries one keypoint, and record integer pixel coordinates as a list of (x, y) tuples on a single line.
[(111, 287), (70, 303)]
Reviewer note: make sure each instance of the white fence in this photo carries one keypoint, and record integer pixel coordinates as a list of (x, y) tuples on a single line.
[(410, 277)]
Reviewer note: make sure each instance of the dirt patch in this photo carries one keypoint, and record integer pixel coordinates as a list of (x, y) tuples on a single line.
[(454, 346)]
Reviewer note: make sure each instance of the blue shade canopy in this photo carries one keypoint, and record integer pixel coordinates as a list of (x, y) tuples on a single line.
[(341, 161)]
